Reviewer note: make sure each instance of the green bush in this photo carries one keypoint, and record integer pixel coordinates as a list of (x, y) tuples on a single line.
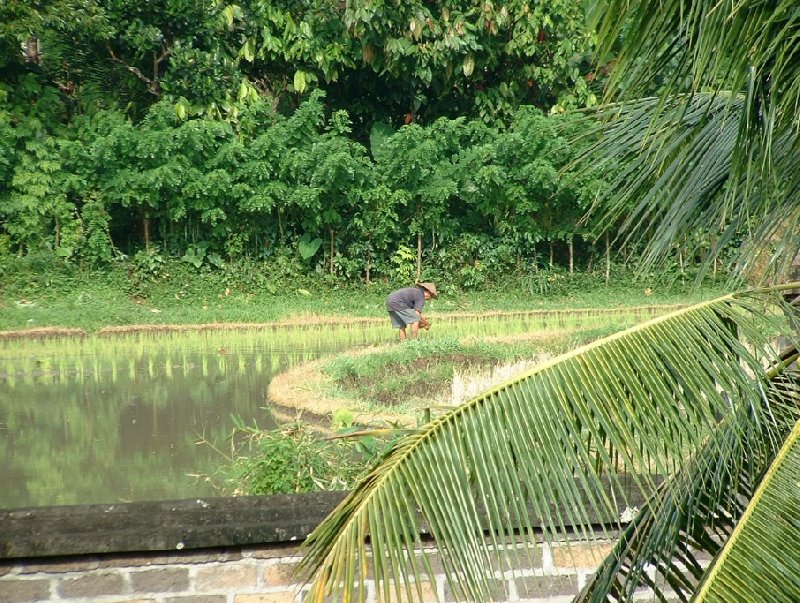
[(295, 458), (42, 273)]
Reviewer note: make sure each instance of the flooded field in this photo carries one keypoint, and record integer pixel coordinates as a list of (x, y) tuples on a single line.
[(118, 416)]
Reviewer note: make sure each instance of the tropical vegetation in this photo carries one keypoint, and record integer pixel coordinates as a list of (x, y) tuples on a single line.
[(378, 141), (360, 141), (210, 131), (702, 135)]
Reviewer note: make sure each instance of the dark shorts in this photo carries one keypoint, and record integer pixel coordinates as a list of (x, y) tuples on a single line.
[(401, 318)]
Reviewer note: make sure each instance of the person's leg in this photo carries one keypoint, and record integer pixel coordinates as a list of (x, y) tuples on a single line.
[(398, 323), (414, 329)]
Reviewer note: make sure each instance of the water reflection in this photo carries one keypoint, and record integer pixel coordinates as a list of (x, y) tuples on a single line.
[(104, 428)]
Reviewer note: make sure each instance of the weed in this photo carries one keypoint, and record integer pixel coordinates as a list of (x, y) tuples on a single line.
[(296, 458)]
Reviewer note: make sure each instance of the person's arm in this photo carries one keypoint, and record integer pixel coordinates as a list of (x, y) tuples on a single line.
[(419, 302)]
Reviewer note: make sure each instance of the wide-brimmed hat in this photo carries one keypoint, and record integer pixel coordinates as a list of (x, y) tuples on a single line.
[(430, 288)]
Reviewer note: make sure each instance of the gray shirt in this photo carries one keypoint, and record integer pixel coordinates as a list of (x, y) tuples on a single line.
[(405, 299)]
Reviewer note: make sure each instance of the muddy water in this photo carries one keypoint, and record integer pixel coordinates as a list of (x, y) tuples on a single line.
[(135, 417)]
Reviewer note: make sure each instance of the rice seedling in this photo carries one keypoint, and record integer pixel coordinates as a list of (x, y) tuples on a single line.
[(140, 372)]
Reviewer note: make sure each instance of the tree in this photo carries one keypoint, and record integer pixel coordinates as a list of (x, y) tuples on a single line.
[(34, 209), (699, 397), (426, 166), (409, 61), (340, 173)]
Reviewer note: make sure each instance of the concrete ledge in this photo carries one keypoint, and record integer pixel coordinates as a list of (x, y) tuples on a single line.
[(216, 522), (163, 525)]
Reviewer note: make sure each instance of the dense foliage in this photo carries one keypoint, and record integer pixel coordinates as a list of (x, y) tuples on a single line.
[(296, 187), (362, 140), (359, 139), (390, 61)]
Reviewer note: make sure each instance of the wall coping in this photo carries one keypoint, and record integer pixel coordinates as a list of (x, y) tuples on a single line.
[(171, 525), (199, 523)]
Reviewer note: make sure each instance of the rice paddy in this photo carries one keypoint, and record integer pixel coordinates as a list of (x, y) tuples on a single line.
[(117, 415)]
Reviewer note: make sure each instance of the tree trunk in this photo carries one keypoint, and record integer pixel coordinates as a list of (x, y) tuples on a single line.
[(146, 230), (419, 255), (333, 238), (369, 259), (32, 50), (608, 259), (551, 254), (571, 254)]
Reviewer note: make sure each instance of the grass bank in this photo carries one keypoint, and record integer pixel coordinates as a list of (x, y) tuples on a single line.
[(92, 301)]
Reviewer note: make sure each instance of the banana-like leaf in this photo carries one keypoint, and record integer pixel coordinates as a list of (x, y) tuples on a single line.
[(761, 561), (552, 449)]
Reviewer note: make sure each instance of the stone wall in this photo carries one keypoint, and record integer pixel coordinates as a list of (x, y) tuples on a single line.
[(263, 574), (220, 550)]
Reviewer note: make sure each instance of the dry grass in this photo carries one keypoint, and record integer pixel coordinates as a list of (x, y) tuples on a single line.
[(468, 384), (42, 333)]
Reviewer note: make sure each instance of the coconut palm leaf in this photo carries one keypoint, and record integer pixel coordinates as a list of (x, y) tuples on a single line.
[(553, 449), (684, 523), (763, 550), (712, 150), (672, 172)]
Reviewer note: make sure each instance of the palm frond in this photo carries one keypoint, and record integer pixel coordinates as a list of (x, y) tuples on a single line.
[(712, 150), (551, 449), (761, 561), (670, 171), (695, 511), (705, 44), (677, 180)]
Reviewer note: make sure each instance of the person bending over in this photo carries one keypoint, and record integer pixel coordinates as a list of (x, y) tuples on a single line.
[(405, 307)]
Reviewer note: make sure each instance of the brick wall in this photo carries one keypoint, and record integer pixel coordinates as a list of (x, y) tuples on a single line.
[(262, 574), (223, 550)]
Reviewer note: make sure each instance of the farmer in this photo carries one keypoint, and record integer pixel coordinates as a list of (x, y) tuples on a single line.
[(405, 308)]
